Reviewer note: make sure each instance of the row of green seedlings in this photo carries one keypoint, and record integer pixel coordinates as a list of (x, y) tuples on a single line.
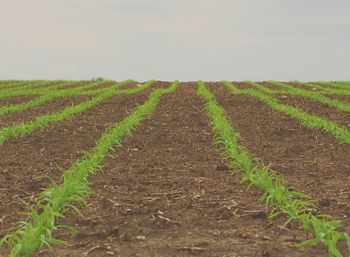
[(323, 88), (54, 202), (53, 94), (22, 129), (277, 194), (342, 85), (44, 84), (35, 88), (291, 90), (306, 119), (22, 83)]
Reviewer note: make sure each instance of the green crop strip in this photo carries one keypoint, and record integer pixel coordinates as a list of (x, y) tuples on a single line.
[(20, 83), (46, 98), (27, 90), (19, 130), (56, 200), (338, 85), (290, 90), (277, 194), (22, 87), (306, 119), (324, 89)]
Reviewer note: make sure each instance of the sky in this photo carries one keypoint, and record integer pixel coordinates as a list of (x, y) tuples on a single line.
[(179, 39)]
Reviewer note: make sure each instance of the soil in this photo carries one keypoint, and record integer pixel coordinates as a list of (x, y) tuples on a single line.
[(167, 191)]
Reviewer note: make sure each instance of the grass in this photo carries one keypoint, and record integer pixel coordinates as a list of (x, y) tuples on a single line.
[(56, 200), (21, 129), (308, 120), (277, 194)]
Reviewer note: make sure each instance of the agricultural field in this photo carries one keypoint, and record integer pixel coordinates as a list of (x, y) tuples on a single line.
[(239, 169)]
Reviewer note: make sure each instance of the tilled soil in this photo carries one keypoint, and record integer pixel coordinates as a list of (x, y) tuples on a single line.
[(167, 192), (55, 105), (47, 152)]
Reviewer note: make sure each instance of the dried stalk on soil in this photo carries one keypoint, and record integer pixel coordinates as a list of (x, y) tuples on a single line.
[(283, 199)]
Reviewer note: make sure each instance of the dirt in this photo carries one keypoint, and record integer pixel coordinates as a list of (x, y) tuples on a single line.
[(56, 105), (47, 152), (167, 191)]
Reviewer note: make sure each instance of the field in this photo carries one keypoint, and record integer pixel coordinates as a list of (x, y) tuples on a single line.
[(239, 169)]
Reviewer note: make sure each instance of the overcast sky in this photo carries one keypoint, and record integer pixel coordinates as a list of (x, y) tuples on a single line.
[(177, 39)]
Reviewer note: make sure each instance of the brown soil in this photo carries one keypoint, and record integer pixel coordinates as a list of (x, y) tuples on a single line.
[(166, 192), (16, 99), (51, 150), (50, 107)]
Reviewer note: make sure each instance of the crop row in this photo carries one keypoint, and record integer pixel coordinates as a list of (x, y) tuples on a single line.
[(327, 88), (277, 194), (306, 119), (50, 95), (291, 90), (21, 129), (54, 87), (56, 200)]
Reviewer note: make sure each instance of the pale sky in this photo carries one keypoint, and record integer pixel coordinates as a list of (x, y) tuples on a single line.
[(178, 39)]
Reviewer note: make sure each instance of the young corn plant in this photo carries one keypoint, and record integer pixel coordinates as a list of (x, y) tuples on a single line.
[(277, 195)]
